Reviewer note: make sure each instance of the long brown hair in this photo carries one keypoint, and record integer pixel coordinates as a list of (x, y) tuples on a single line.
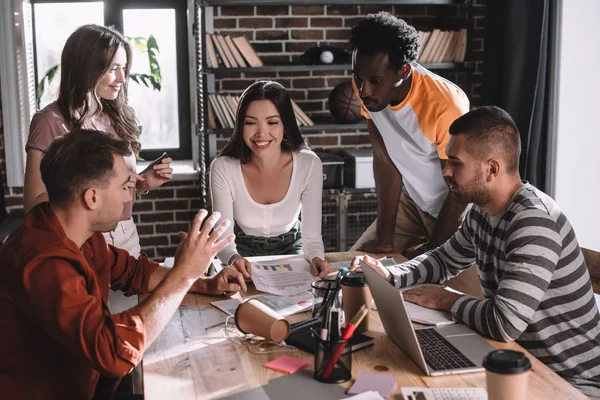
[(86, 57)]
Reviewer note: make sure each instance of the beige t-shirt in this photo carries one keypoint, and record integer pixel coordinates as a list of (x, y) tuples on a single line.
[(49, 123)]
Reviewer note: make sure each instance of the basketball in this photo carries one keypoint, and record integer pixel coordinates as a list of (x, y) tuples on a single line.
[(343, 104)]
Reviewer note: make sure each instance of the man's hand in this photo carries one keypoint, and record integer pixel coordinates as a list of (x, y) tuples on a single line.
[(432, 296), (198, 247), (374, 264), (242, 265), (320, 267), (372, 246), (228, 281)]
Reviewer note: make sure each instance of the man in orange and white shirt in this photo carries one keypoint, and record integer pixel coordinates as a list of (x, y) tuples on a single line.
[(409, 110)]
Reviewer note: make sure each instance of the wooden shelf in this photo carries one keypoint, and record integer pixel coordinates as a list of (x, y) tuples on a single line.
[(323, 2), (319, 67), (362, 126)]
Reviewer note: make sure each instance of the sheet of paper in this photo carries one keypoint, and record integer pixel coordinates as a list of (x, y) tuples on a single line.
[(286, 276), (370, 395), (284, 305)]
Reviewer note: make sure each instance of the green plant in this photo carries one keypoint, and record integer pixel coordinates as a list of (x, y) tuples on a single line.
[(152, 80)]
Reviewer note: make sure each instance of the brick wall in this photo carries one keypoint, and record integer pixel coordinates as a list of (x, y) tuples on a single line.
[(280, 34)]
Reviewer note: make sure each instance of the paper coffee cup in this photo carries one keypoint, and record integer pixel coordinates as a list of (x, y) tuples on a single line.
[(507, 374), (355, 293), (253, 316)]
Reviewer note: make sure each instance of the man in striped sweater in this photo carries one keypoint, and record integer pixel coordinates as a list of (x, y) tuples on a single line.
[(535, 282)]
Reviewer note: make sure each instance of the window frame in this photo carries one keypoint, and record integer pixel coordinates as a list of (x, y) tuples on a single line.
[(113, 15)]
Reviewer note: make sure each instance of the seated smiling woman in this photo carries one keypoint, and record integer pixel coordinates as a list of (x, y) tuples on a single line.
[(264, 177)]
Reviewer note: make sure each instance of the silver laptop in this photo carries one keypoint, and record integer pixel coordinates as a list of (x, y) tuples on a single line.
[(441, 350)]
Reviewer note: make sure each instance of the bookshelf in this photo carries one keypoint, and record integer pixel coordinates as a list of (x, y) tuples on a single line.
[(208, 76), (320, 67)]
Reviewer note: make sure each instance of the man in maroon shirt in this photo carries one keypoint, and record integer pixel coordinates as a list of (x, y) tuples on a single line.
[(57, 337)]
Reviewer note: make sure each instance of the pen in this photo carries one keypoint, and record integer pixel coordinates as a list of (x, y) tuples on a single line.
[(320, 352), (350, 328)]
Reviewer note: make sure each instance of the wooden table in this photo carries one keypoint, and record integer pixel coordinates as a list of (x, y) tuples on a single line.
[(192, 359)]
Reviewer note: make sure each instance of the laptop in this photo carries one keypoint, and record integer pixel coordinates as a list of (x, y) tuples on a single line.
[(440, 350)]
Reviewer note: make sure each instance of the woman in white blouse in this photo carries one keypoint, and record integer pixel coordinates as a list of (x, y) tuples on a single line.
[(264, 177)]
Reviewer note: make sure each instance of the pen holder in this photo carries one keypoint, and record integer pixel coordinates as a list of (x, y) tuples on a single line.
[(325, 355)]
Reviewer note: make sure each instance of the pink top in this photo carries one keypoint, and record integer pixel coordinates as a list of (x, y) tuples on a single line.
[(49, 123)]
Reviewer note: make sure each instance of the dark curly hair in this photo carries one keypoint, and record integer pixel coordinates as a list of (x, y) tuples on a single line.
[(382, 32)]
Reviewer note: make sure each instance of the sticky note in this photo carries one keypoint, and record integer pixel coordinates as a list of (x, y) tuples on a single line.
[(287, 364)]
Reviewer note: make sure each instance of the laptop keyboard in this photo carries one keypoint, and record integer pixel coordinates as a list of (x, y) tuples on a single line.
[(439, 353)]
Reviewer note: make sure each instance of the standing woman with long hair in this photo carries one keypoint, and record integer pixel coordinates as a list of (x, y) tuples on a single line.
[(264, 177), (95, 66)]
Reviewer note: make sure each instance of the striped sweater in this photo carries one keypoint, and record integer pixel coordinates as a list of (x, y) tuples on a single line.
[(535, 282)]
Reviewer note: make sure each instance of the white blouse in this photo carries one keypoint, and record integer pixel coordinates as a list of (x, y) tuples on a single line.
[(230, 197)]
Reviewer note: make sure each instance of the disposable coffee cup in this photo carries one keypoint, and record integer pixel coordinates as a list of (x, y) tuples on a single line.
[(355, 294), (253, 316), (507, 373)]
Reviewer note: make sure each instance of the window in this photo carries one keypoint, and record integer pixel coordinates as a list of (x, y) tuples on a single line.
[(164, 115)]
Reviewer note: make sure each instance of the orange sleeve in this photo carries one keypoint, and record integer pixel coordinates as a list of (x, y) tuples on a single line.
[(56, 294), (127, 273), (442, 129), (363, 111)]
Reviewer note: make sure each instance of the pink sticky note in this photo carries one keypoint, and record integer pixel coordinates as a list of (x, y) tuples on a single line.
[(287, 364), (385, 384)]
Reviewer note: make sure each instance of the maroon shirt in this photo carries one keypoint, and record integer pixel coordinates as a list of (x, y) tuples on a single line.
[(56, 333)]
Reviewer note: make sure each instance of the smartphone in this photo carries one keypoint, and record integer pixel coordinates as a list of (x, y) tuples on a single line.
[(153, 163)]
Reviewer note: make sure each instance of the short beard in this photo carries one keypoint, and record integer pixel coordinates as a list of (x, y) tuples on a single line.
[(474, 192)]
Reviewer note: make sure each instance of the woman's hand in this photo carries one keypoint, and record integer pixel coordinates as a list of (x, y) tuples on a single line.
[(242, 265), (159, 174), (320, 267)]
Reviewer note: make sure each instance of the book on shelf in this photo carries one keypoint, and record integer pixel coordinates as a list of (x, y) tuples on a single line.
[(214, 103), (235, 51), (440, 46), (437, 46), (443, 47), (220, 51), (211, 118), (423, 38), (222, 111), (461, 47), (302, 118), (448, 55), (247, 51), (211, 60), (425, 53), (226, 111), (228, 52)]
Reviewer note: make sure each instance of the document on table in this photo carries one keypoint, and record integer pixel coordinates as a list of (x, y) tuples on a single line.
[(284, 276), (284, 305)]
